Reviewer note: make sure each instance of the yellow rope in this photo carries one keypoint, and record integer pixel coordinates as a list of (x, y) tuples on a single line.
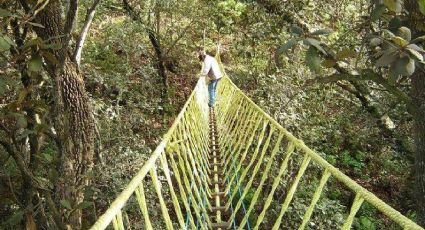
[(394, 215), (249, 140), (140, 195), (316, 198), (358, 201), (276, 181)]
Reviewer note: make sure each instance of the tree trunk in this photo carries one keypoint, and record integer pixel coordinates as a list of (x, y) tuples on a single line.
[(74, 122), (416, 23), (160, 63), (418, 113), (154, 39)]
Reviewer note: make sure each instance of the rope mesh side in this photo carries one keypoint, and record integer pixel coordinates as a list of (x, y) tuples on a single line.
[(250, 142), (232, 122)]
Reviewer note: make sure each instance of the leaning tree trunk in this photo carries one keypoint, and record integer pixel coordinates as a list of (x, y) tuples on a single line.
[(160, 63), (84, 31), (416, 23), (74, 122)]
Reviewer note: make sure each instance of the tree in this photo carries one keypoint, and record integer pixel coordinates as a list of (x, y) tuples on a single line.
[(416, 21), (394, 47), (70, 124)]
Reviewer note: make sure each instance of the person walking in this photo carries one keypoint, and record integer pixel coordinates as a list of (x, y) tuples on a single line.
[(212, 69)]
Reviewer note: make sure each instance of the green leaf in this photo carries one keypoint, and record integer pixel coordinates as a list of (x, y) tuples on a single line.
[(35, 64), (83, 205), (394, 24), (15, 219), (345, 53), (50, 57), (422, 6), (399, 41), (21, 120), (4, 13), (377, 12), (297, 30), (393, 5), (315, 43), (418, 39), (392, 74), (322, 32), (415, 47), (405, 66), (8, 40), (66, 204), (329, 63), (283, 49), (34, 42), (4, 44), (312, 59), (405, 33), (386, 59), (53, 46), (387, 34), (287, 46), (415, 54), (366, 223), (47, 157)]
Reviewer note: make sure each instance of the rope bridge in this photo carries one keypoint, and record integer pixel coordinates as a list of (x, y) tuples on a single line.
[(233, 167)]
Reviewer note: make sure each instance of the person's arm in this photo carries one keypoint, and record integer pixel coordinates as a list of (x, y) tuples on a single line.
[(205, 68)]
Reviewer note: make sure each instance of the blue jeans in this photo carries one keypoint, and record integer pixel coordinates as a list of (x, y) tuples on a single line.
[(212, 88)]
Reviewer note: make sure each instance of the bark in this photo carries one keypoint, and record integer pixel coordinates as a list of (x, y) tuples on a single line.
[(417, 110), (418, 113), (74, 122), (361, 93), (160, 61), (154, 39), (84, 31)]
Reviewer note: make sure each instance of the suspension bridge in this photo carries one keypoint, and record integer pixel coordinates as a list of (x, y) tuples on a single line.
[(232, 167)]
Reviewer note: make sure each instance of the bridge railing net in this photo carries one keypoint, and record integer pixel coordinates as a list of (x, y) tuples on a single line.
[(264, 165), (170, 190)]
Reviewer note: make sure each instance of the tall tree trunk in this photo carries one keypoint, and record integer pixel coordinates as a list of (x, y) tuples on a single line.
[(418, 113), (416, 23), (155, 41), (160, 63), (74, 122)]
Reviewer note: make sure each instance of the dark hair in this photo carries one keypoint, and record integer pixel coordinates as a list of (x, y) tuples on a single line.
[(201, 55)]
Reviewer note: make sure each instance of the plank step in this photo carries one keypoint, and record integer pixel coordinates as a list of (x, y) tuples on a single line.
[(222, 225), (219, 182), (212, 173), (220, 208), (220, 194)]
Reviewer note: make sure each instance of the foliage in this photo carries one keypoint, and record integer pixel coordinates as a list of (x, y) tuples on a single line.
[(271, 49)]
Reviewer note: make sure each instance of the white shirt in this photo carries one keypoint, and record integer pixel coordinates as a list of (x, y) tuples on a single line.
[(211, 68)]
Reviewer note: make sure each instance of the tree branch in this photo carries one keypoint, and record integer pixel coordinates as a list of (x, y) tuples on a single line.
[(84, 31), (20, 162), (69, 22), (180, 36), (365, 76)]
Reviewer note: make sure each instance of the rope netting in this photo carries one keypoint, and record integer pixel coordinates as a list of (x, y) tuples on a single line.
[(265, 167), (269, 159), (174, 179)]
